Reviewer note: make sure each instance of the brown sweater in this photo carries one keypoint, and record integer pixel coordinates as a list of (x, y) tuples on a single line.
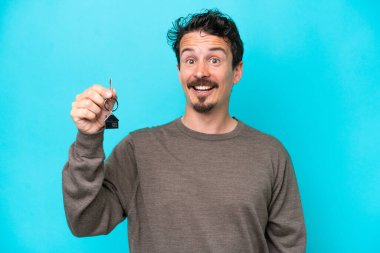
[(186, 191)]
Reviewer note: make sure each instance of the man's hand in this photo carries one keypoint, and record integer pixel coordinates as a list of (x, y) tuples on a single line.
[(88, 112)]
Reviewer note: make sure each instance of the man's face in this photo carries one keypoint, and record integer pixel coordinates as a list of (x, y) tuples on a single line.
[(205, 71)]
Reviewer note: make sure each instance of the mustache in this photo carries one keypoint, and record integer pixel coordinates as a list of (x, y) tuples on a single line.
[(202, 82)]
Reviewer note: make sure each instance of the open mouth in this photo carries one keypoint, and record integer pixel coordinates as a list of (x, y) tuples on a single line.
[(202, 87), (202, 90)]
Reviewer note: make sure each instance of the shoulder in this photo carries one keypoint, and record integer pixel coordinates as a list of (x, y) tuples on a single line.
[(263, 141), (267, 149)]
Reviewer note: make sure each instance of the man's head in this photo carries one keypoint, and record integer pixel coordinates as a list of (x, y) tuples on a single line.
[(212, 22), (209, 54)]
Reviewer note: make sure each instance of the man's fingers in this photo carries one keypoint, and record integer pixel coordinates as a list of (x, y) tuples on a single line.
[(97, 94), (104, 92), (88, 104), (82, 113), (94, 96)]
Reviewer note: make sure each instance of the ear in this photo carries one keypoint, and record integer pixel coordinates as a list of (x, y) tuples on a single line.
[(178, 67), (238, 72)]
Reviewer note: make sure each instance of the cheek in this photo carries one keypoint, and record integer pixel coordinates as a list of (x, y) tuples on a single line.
[(183, 81), (183, 76), (226, 79), (226, 84)]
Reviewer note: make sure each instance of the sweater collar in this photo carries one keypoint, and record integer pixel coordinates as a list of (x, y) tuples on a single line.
[(204, 136)]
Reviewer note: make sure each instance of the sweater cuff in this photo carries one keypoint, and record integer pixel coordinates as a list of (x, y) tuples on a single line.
[(89, 145)]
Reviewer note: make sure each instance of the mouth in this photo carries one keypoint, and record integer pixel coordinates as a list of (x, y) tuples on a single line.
[(202, 90), (202, 87)]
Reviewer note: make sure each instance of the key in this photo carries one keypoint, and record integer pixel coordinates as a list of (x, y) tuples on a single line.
[(111, 121)]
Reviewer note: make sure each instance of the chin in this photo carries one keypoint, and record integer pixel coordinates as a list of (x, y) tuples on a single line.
[(203, 108)]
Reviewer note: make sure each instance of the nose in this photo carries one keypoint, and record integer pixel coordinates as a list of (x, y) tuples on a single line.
[(201, 70)]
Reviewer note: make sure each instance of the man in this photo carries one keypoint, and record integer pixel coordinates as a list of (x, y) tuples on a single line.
[(205, 182)]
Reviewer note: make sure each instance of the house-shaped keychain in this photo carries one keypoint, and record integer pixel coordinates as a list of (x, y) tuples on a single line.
[(112, 122)]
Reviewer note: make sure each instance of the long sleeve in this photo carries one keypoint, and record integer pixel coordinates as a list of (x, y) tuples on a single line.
[(97, 193), (286, 228)]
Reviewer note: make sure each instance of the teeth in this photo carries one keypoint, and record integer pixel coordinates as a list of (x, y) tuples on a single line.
[(202, 87)]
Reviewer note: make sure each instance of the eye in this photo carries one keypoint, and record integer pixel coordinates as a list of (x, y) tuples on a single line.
[(215, 60), (189, 61)]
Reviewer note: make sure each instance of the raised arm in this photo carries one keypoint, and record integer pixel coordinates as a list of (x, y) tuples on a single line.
[(97, 193)]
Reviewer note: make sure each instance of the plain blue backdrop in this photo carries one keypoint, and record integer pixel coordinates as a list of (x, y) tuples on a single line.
[(311, 78)]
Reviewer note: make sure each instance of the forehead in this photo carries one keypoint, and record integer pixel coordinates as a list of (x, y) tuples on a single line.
[(199, 39)]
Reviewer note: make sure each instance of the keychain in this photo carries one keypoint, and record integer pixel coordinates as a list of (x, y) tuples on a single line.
[(111, 121)]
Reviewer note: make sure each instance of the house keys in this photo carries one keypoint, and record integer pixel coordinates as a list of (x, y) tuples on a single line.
[(111, 121)]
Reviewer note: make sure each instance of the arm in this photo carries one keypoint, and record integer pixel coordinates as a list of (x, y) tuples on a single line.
[(97, 194), (286, 228)]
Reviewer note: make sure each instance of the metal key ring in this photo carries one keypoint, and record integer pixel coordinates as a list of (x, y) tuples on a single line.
[(105, 104)]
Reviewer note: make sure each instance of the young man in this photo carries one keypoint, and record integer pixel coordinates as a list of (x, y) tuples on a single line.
[(205, 182)]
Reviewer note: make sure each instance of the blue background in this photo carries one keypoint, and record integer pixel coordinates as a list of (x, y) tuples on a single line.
[(311, 78)]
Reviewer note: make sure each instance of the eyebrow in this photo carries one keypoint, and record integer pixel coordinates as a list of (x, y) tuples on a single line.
[(218, 49), (186, 49), (211, 49)]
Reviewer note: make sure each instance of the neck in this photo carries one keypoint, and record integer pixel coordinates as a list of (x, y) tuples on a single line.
[(213, 122)]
